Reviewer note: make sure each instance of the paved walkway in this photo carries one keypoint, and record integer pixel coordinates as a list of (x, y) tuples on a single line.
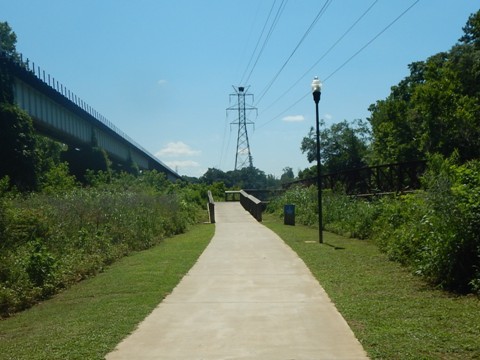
[(249, 296)]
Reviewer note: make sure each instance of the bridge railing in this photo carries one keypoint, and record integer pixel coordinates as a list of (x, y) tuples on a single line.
[(25, 66), (253, 205), (211, 207), (386, 178)]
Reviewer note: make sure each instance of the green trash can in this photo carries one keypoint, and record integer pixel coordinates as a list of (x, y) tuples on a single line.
[(289, 215)]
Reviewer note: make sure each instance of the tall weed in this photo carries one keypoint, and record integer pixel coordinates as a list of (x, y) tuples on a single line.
[(52, 239), (435, 231)]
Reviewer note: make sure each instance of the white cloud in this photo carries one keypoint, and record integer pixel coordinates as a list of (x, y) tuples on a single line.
[(182, 164), (162, 82), (294, 118), (328, 117), (174, 149)]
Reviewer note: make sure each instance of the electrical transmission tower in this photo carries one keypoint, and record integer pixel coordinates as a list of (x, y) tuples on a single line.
[(243, 156)]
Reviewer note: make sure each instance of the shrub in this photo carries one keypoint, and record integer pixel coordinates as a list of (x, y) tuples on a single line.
[(52, 239), (349, 216), (305, 201), (435, 232)]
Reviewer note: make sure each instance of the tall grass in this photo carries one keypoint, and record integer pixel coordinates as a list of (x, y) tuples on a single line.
[(51, 240), (434, 231)]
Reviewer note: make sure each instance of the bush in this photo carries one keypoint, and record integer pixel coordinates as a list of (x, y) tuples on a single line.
[(305, 201), (349, 216), (53, 239), (342, 214), (435, 232)]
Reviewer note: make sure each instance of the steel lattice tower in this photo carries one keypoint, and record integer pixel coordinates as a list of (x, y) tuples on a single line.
[(243, 155)]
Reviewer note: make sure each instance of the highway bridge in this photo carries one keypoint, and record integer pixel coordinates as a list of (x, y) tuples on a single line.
[(59, 114)]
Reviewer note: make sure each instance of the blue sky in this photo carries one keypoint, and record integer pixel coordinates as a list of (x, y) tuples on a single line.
[(162, 71)]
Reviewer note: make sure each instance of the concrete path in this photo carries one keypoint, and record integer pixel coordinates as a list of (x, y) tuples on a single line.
[(249, 296)]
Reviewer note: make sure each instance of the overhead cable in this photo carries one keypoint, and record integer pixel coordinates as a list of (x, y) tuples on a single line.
[(324, 54), (312, 25), (258, 41), (344, 63), (270, 31), (371, 41)]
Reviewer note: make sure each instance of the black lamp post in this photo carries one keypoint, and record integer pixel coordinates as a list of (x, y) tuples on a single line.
[(317, 91)]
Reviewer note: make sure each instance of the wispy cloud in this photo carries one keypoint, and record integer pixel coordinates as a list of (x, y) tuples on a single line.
[(162, 82), (293, 118), (328, 117), (176, 149), (182, 164)]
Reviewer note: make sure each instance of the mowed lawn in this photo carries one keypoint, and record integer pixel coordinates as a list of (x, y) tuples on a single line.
[(89, 319), (393, 313)]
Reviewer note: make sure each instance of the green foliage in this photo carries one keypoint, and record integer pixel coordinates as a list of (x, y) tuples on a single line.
[(287, 175), (434, 232), (349, 216), (305, 201), (17, 146), (472, 30), (343, 146), (8, 38), (66, 233), (391, 312), (245, 178), (436, 109), (341, 214), (87, 160), (49, 154), (57, 179), (88, 320)]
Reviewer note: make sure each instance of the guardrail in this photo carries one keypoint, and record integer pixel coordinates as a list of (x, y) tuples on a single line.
[(252, 205), (372, 180), (211, 207), (27, 70)]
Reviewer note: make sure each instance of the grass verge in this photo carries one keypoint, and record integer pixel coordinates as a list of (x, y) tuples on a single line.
[(393, 313), (90, 319)]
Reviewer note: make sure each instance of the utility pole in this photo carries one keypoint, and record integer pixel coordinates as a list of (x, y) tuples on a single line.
[(243, 155)]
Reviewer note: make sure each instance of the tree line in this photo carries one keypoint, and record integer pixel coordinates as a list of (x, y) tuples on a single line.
[(433, 110)]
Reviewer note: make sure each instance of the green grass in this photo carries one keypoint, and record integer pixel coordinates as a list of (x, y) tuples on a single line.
[(88, 320), (393, 313)]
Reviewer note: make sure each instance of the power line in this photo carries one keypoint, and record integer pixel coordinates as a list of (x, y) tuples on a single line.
[(324, 54), (371, 41), (312, 25), (267, 38), (346, 62), (258, 41)]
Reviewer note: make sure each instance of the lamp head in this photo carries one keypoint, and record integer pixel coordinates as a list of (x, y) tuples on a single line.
[(316, 85)]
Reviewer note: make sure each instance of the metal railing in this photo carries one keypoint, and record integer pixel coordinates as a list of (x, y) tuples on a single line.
[(378, 179), (17, 61)]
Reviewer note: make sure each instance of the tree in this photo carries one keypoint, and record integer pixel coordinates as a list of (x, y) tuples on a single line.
[(436, 109), (287, 175), (343, 146), (213, 175), (90, 158), (17, 146), (472, 30), (8, 39)]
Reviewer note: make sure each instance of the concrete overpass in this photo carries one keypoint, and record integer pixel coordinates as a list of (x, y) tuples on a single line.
[(61, 115)]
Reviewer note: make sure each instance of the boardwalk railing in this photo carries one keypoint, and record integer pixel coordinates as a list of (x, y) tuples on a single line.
[(252, 205), (387, 178), (211, 207)]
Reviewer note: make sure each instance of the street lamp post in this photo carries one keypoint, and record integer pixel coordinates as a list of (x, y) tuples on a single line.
[(317, 91)]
